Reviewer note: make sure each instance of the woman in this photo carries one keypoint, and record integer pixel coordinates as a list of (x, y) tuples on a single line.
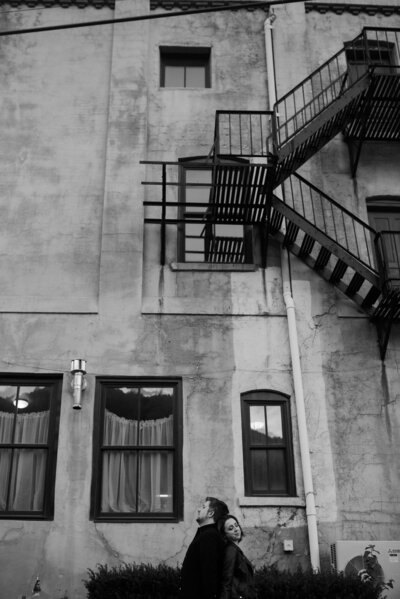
[(237, 572)]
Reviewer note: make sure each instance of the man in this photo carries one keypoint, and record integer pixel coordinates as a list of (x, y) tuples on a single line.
[(202, 566)]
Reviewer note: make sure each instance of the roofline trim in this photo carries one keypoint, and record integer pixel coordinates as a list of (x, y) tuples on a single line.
[(354, 9)]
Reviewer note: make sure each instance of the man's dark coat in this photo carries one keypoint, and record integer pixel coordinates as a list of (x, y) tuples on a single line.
[(202, 566)]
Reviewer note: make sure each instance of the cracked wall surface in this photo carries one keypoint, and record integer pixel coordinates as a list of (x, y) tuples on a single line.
[(223, 332)]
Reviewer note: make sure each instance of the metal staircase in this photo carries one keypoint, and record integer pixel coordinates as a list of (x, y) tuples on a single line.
[(356, 93)]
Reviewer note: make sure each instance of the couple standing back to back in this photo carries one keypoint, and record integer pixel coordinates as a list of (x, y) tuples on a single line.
[(214, 567)]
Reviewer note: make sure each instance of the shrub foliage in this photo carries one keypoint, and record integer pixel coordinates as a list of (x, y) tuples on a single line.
[(144, 581)]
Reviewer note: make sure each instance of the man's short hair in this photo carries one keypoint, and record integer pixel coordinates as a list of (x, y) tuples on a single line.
[(219, 508)]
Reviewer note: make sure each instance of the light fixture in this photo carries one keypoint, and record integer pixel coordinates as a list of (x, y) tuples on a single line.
[(78, 383), (21, 403)]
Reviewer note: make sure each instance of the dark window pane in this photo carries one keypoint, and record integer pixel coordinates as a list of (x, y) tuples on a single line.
[(257, 425), (277, 471), (156, 416), (33, 406), (121, 416), (174, 76), (5, 465), (156, 481), (274, 424), (27, 480), (259, 471), (119, 475), (195, 76)]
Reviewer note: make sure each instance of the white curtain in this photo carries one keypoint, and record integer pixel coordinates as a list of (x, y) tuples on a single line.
[(26, 480), (145, 475)]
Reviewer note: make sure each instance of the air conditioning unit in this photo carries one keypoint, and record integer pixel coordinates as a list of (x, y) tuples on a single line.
[(376, 560)]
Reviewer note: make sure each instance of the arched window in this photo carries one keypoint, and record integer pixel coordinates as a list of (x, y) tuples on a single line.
[(267, 444)]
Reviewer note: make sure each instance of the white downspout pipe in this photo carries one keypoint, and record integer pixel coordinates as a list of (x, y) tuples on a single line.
[(311, 511)]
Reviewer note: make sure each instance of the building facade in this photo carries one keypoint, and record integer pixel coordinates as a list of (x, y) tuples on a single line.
[(199, 274)]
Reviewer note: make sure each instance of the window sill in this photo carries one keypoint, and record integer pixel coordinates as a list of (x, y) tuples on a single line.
[(188, 88), (210, 266), (138, 520), (271, 502)]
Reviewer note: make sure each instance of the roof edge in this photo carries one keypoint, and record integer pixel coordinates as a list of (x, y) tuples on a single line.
[(62, 3), (199, 4), (354, 9)]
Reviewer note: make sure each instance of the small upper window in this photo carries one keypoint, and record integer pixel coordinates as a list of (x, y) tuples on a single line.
[(29, 411), (185, 67)]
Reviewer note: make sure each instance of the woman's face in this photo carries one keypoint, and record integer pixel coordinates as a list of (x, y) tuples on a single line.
[(232, 530)]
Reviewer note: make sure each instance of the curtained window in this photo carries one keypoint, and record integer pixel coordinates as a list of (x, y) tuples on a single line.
[(267, 444), (137, 453), (28, 434)]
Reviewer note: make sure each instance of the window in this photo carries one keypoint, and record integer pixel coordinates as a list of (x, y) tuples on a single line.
[(267, 444), (137, 472), (29, 415), (364, 52), (200, 239), (185, 67), (384, 216)]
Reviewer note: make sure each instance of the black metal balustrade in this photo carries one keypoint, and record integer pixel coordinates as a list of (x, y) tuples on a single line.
[(329, 238), (237, 195), (246, 133), (356, 92)]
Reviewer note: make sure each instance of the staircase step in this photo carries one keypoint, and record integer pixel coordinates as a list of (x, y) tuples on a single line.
[(338, 271), (322, 258), (371, 297), (306, 246), (292, 231), (354, 284)]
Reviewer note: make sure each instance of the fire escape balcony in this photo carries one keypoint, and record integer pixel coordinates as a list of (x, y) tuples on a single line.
[(213, 212)]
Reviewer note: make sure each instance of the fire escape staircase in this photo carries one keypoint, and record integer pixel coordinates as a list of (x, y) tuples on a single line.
[(355, 93)]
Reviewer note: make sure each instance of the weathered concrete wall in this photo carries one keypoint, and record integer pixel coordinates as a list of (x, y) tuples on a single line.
[(96, 111)]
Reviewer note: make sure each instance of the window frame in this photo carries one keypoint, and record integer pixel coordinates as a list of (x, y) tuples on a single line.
[(202, 163), (268, 398), (185, 56), (55, 384), (102, 384)]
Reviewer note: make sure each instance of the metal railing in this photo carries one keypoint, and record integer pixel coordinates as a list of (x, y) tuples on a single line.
[(297, 108), (246, 133), (335, 221), (210, 217)]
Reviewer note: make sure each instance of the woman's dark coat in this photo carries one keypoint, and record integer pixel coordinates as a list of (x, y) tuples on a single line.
[(237, 575)]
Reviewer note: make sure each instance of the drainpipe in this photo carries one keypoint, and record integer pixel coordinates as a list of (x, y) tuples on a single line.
[(311, 512)]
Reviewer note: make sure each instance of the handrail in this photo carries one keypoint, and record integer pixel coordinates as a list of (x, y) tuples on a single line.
[(329, 81), (334, 220), (243, 132)]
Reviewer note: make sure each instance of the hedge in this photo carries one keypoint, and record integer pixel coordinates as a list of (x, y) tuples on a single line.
[(144, 581)]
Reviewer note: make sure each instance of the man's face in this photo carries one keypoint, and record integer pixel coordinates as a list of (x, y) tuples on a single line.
[(203, 513)]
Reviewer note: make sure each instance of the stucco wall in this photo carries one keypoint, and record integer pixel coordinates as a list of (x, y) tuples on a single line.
[(72, 190)]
